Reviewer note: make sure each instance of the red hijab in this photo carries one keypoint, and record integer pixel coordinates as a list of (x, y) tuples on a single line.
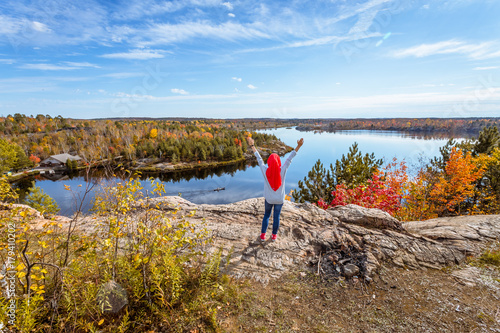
[(273, 171)]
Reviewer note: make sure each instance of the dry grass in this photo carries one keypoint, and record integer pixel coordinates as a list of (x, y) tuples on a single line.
[(398, 301)]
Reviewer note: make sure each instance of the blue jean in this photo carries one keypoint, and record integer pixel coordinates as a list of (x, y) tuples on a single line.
[(276, 217)]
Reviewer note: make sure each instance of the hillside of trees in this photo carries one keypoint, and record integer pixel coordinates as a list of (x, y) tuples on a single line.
[(464, 180), (25, 140), (430, 125)]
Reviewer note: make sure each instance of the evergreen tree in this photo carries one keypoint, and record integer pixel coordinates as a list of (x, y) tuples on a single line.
[(355, 169), (202, 155), (230, 153), (218, 153), (489, 139), (317, 185), (41, 201), (351, 170), (488, 143)]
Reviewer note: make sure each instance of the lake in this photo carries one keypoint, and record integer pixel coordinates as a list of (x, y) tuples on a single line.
[(245, 181)]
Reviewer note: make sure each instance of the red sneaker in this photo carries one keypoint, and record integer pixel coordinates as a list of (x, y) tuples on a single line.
[(262, 237), (274, 237)]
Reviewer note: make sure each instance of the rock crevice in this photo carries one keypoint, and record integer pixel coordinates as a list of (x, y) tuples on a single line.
[(342, 241), (331, 242)]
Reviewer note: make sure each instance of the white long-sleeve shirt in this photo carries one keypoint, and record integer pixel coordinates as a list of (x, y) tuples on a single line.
[(271, 196)]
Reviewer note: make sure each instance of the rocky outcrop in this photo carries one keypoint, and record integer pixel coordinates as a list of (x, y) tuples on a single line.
[(465, 233), (331, 242), (366, 217), (349, 241), (17, 208)]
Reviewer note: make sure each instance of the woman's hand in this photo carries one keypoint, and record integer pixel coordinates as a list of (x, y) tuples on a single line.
[(251, 144), (299, 144)]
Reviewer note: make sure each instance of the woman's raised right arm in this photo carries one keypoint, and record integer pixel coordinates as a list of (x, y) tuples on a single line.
[(251, 144)]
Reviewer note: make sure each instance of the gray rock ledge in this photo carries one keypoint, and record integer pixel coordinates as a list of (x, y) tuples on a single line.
[(326, 241)]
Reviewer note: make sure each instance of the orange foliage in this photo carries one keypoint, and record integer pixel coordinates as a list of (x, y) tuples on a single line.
[(34, 159), (457, 183)]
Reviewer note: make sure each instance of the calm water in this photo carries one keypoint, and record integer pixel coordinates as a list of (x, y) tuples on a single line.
[(245, 181)]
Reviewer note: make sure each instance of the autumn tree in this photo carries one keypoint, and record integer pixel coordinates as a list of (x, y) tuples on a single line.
[(8, 156), (351, 170), (486, 197), (456, 184), (12, 157)]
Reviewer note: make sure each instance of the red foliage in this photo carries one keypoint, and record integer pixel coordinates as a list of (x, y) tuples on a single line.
[(34, 159), (375, 194)]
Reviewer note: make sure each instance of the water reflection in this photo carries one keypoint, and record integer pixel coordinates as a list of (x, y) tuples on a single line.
[(244, 180), (419, 135)]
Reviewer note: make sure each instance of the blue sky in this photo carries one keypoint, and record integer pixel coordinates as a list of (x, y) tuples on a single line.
[(224, 59)]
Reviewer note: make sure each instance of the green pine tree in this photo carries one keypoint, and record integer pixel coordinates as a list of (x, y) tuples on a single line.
[(355, 169), (22, 161), (489, 139), (41, 201), (317, 185), (351, 170)]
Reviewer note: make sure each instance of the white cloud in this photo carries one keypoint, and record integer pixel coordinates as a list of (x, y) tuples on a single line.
[(7, 61), (67, 65), (123, 75), (482, 50), (179, 91), (133, 10), (138, 54), (239, 79), (81, 64), (64, 22), (349, 12), (453, 103), (91, 21), (134, 96), (9, 26), (49, 67), (315, 42), (486, 68), (364, 22), (251, 86), (228, 5), (40, 27), (231, 31)]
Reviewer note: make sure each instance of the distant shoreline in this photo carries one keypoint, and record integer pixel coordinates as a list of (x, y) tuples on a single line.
[(157, 165)]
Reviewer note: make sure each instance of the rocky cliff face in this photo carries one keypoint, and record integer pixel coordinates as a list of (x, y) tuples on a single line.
[(342, 241), (349, 240)]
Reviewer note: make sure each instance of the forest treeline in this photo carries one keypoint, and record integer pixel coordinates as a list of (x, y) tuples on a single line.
[(450, 125), (464, 180), (25, 140)]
